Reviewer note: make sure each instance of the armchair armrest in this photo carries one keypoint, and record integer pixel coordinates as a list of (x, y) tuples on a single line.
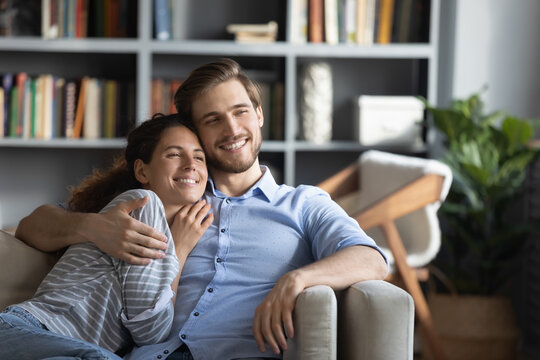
[(376, 322)]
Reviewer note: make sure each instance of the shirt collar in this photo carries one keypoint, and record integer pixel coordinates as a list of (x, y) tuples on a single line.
[(266, 186)]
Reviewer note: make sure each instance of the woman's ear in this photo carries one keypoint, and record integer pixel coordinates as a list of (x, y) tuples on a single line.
[(140, 171)]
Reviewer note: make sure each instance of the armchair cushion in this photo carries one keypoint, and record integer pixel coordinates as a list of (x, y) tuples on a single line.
[(381, 174)]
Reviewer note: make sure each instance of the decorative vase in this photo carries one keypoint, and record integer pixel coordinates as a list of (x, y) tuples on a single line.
[(475, 327), (316, 102)]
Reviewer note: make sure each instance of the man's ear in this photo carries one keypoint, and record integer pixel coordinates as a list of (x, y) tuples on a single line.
[(260, 115), (140, 171)]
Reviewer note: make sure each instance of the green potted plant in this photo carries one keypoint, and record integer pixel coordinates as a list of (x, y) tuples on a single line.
[(488, 155)]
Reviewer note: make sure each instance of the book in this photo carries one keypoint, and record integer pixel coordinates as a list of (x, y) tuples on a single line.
[(350, 19), (13, 111), (27, 106), (37, 124), (369, 28), (299, 21), (315, 21), (242, 37), (156, 101), (331, 22), (69, 108), (109, 106), (2, 112), (33, 85), (7, 84), (162, 23), (361, 17), (386, 15), (92, 110), (20, 82), (79, 113), (47, 106), (58, 108)]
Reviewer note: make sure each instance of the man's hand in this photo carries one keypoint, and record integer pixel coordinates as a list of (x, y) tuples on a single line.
[(275, 313), (116, 233)]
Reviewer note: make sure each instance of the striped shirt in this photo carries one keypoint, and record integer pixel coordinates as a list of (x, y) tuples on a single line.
[(92, 296)]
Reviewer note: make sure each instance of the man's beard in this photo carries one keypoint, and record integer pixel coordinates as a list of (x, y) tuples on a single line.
[(235, 167)]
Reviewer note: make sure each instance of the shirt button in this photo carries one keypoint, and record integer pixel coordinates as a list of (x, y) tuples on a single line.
[(222, 230), (166, 352), (183, 336), (228, 201), (210, 290), (218, 260), (196, 313), (159, 356)]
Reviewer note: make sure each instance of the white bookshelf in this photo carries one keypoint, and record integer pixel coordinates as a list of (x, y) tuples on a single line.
[(394, 69)]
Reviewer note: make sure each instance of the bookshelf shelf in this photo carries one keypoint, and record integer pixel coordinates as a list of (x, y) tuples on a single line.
[(389, 69), (64, 143)]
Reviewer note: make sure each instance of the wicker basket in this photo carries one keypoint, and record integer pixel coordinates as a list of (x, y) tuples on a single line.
[(474, 327)]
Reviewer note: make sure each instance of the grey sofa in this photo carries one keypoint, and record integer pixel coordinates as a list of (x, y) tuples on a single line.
[(371, 320)]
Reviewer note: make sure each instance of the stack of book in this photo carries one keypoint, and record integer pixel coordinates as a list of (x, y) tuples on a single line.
[(254, 33), (47, 106), (362, 22)]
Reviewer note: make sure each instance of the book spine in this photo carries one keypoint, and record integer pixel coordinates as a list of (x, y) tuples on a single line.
[(386, 14), (7, 84), (13, 112), (162, 20), (69, 108), (316, 21), (28, 101), (2, 99), (331, 21)]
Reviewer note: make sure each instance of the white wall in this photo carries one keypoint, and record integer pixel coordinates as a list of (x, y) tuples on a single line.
[(494, 43)]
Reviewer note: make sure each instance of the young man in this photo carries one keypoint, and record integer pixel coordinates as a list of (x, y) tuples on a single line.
[(267, 243)]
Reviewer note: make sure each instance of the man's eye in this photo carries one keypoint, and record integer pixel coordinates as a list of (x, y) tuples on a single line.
[(173, 155)]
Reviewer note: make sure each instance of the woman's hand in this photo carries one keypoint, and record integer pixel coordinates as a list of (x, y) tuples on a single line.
[(188, 226)]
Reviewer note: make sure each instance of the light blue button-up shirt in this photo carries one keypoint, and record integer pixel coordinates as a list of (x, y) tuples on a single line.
[(254, 239)]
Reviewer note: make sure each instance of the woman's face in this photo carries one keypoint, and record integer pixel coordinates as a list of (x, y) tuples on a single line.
[(177, 172)]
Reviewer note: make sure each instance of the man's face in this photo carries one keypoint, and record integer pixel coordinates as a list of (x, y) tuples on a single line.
[(229, 127)]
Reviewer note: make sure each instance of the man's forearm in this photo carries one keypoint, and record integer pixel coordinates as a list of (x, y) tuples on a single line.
[(50, 228), (344, 268)]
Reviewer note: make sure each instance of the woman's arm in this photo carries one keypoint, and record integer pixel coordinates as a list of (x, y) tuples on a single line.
[(51, 228)]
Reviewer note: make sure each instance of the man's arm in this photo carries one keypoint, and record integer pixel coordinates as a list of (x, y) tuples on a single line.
[(340, 270), (115, 232)]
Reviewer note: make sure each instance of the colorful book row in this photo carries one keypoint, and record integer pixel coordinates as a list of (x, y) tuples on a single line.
[(362, 22), (85, 18), (47, 106)]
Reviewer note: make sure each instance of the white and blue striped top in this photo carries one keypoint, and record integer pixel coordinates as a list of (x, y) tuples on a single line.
[(92, 296)]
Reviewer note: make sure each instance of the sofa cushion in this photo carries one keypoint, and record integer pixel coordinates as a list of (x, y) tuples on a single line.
[(22, 269)]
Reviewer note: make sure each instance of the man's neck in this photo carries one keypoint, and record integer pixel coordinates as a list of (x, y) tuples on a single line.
[(236, 184)]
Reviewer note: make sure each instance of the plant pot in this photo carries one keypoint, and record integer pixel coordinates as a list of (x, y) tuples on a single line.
[(474, 327)]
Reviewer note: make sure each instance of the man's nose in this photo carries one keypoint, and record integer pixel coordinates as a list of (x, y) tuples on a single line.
[(231, 125)]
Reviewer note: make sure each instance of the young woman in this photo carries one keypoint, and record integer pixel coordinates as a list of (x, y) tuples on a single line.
[(92, 305)]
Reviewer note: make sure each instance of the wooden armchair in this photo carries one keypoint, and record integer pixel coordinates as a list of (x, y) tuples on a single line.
[(394, 198)]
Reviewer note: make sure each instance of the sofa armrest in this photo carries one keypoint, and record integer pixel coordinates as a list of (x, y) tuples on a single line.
[(376, 322), (315, 325), (21, 269)]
